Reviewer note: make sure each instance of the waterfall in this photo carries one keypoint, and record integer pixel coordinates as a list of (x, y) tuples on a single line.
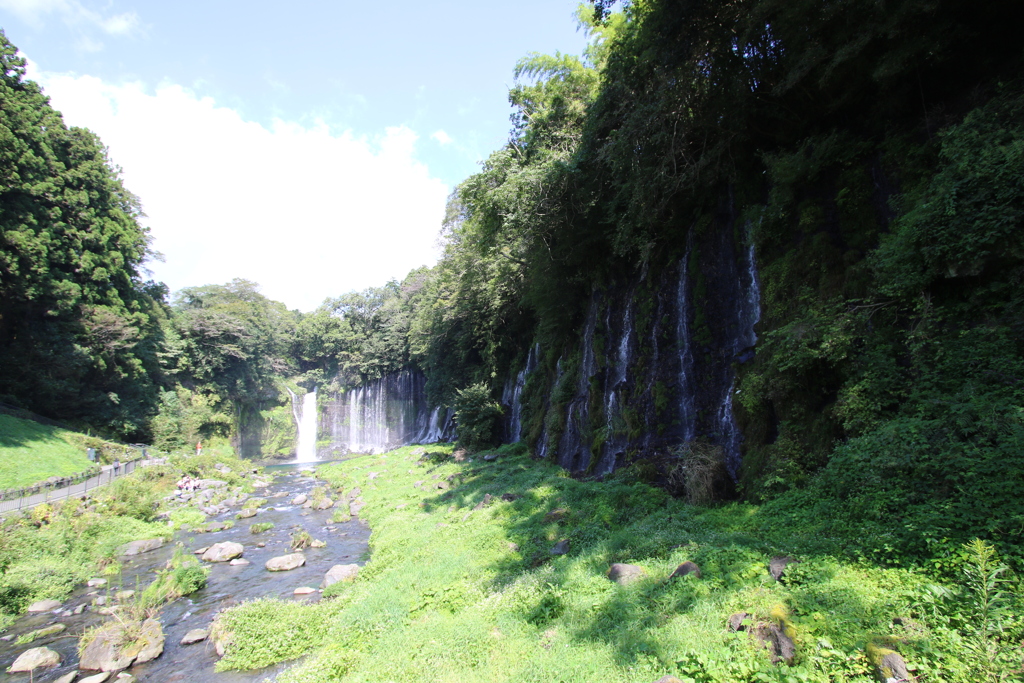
[(513, 393), (687, 388), (748, 314), (305, 451)]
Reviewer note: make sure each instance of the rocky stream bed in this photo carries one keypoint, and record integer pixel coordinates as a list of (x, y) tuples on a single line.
[(228, 584)]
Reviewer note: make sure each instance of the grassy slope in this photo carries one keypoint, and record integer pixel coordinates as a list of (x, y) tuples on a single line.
[(447, 598), (31, 452)]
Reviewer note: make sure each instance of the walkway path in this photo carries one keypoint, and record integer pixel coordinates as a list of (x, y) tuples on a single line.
[(46, 495)]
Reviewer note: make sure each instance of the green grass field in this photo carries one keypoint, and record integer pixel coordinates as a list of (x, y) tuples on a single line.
[(459, 589), (31, 452)]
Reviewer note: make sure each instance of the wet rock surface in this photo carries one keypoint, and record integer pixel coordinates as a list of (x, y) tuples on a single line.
[(228, 584)]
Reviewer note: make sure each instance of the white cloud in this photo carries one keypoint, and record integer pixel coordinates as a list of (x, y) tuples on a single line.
[(442, 137), (74, 13), (305, 211)]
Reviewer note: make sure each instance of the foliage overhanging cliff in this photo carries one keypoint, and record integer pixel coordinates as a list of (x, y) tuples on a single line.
[(869, 155)]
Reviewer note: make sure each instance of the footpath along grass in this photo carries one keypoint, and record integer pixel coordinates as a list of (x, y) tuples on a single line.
[(31, 452), (462, 590)]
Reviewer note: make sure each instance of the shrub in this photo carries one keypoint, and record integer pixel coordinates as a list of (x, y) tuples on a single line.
[(476, 417), (260, 527)]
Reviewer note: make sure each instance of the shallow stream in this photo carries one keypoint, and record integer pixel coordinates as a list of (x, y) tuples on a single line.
[(227, 585)]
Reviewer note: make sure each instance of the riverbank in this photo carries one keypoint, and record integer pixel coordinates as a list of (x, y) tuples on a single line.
[(501, 570), (263, 524)]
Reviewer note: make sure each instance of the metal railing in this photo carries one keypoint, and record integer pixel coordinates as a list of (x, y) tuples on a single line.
[(27, 497)]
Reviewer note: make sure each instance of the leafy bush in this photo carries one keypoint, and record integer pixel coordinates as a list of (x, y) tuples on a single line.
[(476, 417)]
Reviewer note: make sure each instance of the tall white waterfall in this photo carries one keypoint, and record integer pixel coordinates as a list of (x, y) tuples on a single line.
[(306, 420)]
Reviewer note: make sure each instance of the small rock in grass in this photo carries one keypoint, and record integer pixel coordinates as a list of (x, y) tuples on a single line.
[(491, 457), (124, 595), (483, 503), (340, 572), (777, 566), (685, 569), (561, 548), (625, 574), (736, 621), (514, 547), (773, 636), (303, 590), (44, 606), (324, 504), (196, 635), (889, 664), (35, 658)]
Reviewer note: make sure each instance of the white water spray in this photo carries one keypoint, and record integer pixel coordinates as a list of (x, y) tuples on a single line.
[(305, 451)]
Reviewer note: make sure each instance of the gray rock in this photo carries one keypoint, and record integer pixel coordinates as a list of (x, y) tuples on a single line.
[(246, 513), (200, 551), (736, 621), (304, 590), (143, 546), (561, 548), (285, 562), (483, 503), (196, 635), (121, 596), (223, 552), (300, 499), (625, 574), (355, 506), (44, 606), (79, 609), (685, 569), (36, 658), (490, 457), (153, 641), (774, 637), (340, 572), (67, 678), (889, 664), (238, 561), (96, 583), (211, 483), (777, 566), (324, 504), (96, 678)]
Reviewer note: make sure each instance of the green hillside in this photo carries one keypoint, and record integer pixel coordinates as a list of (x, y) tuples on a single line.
[(31, 452)]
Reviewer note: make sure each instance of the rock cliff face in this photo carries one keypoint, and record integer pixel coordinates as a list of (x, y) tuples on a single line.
[(653, 366), (655, 362)]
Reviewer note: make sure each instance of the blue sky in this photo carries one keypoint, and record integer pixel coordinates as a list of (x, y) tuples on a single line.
[(308, 147)]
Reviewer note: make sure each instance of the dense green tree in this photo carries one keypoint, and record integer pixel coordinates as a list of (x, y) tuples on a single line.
[(79, 328)]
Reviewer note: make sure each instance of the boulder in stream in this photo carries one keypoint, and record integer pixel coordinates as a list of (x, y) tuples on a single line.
[(196, 635), (285, 562), (324, 504), (223, 552), (300, 499), (35, 658), (143, 546), (97, 678), (246, 513), (44, 606)]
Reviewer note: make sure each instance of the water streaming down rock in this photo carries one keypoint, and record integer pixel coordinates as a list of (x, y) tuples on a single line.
[(383, 414), (687, 385), (305, 420), (512, 396)]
